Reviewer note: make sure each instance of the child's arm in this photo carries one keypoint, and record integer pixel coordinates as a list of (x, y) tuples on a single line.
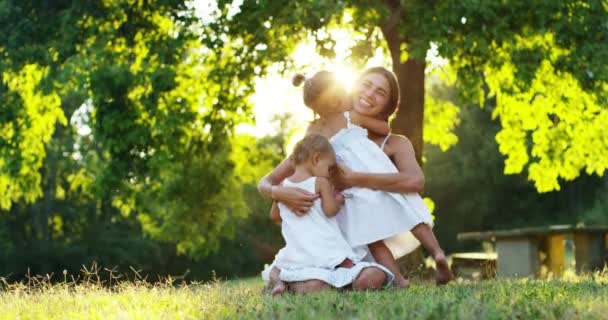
[(380, 127), (329, 201)]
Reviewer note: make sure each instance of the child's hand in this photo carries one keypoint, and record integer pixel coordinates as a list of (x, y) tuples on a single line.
[(379, 127)]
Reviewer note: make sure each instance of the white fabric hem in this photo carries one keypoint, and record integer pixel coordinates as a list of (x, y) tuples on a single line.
[(338, 277)]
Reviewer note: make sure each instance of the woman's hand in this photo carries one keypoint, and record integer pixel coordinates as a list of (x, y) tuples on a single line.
[(297, 200), (409, 178), (341, 177)]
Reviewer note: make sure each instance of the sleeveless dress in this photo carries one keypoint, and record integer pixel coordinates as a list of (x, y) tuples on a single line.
[(373, 215), (315, 246)]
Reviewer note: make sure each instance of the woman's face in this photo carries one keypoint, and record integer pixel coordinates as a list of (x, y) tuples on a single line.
[(371, 94)]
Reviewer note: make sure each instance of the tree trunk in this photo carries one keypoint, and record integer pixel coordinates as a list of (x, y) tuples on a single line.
[(410, 115), (410, 75)]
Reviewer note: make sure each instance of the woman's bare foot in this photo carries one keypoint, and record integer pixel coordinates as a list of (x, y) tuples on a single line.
[(443, 272)]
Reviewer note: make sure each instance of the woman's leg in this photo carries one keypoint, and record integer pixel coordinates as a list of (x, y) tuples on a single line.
[(369, 278), (308, 286), (425, 235), (383, 256)]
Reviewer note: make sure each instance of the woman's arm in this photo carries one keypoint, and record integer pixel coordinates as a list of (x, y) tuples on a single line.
[(379, 127), (329, 201), (298, 200), (274, 178), (409, 178)]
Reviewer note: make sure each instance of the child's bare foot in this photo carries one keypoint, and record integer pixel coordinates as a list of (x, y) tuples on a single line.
[(444, 274), (401, 283), (279, 288), (276, 284)]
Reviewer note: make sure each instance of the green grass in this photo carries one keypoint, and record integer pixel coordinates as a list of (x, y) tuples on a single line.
[(580, 298)]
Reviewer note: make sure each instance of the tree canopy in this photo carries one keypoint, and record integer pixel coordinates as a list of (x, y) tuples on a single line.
[(151, 110), (542, 62)]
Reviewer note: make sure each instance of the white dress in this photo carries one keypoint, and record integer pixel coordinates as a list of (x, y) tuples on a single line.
[(315, 246), (373, 215)]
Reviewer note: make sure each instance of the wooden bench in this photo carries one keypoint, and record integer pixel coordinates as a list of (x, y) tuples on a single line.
[(518, 250), (474, 265)]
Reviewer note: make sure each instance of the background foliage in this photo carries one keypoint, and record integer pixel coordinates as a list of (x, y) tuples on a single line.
[(117, 122)]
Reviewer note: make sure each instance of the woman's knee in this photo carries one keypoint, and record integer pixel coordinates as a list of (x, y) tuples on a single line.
[(370, 278)]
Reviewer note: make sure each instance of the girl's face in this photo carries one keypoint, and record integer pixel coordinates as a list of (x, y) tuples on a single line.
[(371, 94), (322, 164)]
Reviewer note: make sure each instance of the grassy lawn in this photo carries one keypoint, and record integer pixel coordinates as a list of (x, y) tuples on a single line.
[(580, 298)]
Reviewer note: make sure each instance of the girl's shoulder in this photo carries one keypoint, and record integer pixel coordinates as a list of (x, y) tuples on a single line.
[(326, 126), (314, 126)]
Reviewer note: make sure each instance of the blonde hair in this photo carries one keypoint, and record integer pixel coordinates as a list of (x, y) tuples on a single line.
[(307, 147)]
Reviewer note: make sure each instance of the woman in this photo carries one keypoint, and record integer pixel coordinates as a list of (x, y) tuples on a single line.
[(376, 94)]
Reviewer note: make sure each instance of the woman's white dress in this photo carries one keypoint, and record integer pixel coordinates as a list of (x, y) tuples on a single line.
[(315, 246), (373, 215)]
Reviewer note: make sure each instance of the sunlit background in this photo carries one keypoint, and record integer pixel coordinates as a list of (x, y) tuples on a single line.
[(124, 143), (274, 93)]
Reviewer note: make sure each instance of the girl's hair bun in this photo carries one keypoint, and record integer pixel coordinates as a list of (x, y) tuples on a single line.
[(298, 79)]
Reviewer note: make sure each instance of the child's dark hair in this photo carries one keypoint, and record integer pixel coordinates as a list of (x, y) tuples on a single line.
[(310, 145), (315, 86)]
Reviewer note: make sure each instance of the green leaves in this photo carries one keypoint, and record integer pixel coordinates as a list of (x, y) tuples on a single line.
[(550, 123), (32, 116), (160, 107)]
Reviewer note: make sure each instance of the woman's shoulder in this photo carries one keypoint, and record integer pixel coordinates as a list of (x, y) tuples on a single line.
[(396, 142), (398, 139)]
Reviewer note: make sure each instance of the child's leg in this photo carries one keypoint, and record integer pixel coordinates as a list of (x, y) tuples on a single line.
[(277, 285), (425, 235), (369, 278), (383, 256), (308, 286)]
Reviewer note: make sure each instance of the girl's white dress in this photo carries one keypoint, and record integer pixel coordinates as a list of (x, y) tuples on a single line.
[(315, 246), (373, 215)]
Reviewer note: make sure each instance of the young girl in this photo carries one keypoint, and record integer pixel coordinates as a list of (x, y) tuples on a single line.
[(315, 247), (373, 218)]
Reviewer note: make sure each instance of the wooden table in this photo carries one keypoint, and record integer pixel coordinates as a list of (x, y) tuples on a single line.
[(519, 250)]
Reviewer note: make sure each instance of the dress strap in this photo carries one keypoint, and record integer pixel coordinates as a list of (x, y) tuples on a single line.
[(347, 116), (384, 142)]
